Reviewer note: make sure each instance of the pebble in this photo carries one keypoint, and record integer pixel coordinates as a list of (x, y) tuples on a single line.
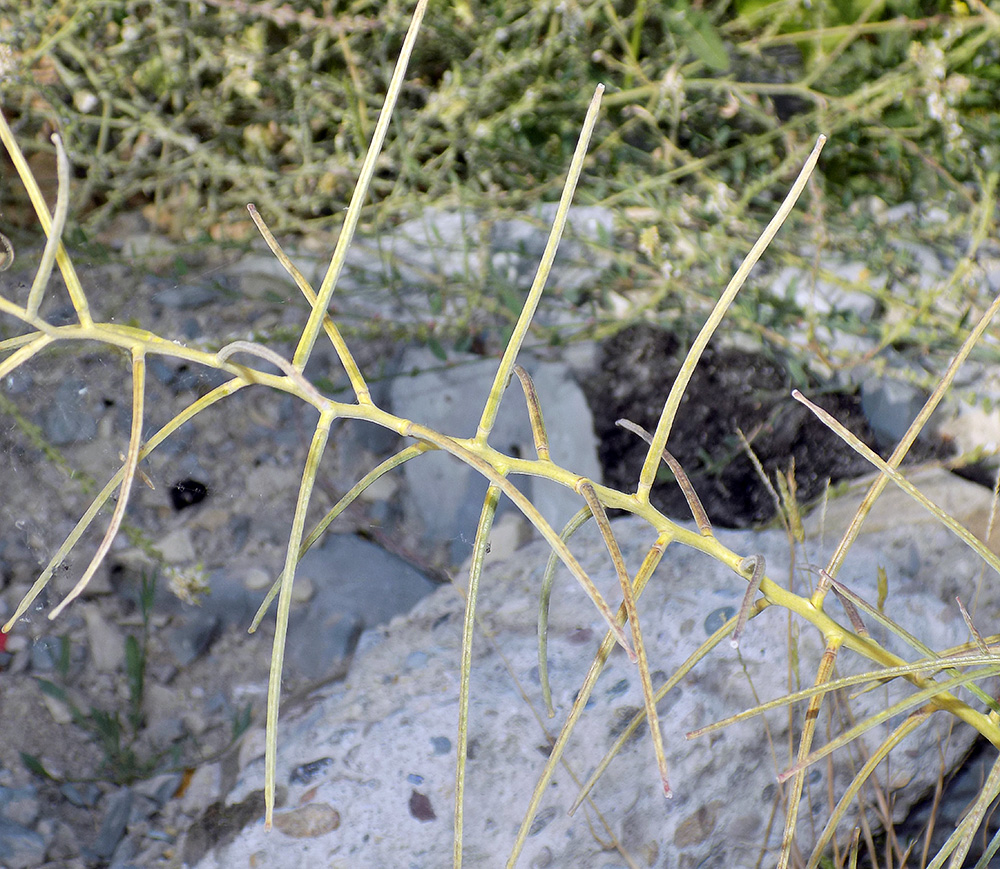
[(106, 641), (20, 847), (117, 808), (308, 822), (19, 804), (160, 788), (68, 419), (203, 789), (81, 794)]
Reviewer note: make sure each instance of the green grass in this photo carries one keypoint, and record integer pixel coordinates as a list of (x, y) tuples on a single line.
[(492, 119), (190, 111)]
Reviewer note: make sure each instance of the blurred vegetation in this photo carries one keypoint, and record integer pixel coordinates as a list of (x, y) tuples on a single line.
[(189, 110)]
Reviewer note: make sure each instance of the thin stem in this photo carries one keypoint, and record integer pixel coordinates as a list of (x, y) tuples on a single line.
[(663, 427), (311, 330), (541, 275)]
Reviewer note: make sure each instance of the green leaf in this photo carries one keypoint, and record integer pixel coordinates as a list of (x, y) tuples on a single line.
[(703, 39), (435, 347), (35, 766), (241, 721), (135, 667), (53, 690)]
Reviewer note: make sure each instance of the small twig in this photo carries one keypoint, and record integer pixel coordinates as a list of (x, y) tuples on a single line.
[(8, 257), (534, 413), (269, 355), (852, 611), (977, 636), (755, 564), (693, 501)]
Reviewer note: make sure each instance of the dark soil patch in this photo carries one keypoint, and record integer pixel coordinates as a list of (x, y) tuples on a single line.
[(732, 390)]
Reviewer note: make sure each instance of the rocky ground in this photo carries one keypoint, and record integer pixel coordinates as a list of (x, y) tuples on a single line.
[(96, 769)]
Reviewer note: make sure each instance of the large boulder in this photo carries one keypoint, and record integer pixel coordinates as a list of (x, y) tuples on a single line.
[(375, 756)]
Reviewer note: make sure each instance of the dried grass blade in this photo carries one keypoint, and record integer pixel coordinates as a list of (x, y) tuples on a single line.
[(805, 743), (131, 462), (922, 697), (910, 724), (853, 616), (947, 665), (978, 637), (690, 495), (960, 841), (883, 674), (586, 489), (534, 413), (755, 564)]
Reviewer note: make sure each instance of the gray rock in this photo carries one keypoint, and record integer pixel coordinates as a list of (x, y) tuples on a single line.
[(45, 652), (890, 406), (161, 788), (20, 847), (357, 584), (69, 419), (19, 804), (81, 794), (187, 296), (194, 638), (116, 816), (386, 743)]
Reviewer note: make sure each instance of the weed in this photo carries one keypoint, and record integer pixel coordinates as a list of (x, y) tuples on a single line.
[(159, 81)]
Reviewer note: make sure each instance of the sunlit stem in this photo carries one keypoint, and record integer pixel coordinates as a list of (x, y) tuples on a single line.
[(316, 448), (475, 572), (690, 495), (311, 330), (541, 275), (55, 235), (361, 390), (663, 427), (632, 613)]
